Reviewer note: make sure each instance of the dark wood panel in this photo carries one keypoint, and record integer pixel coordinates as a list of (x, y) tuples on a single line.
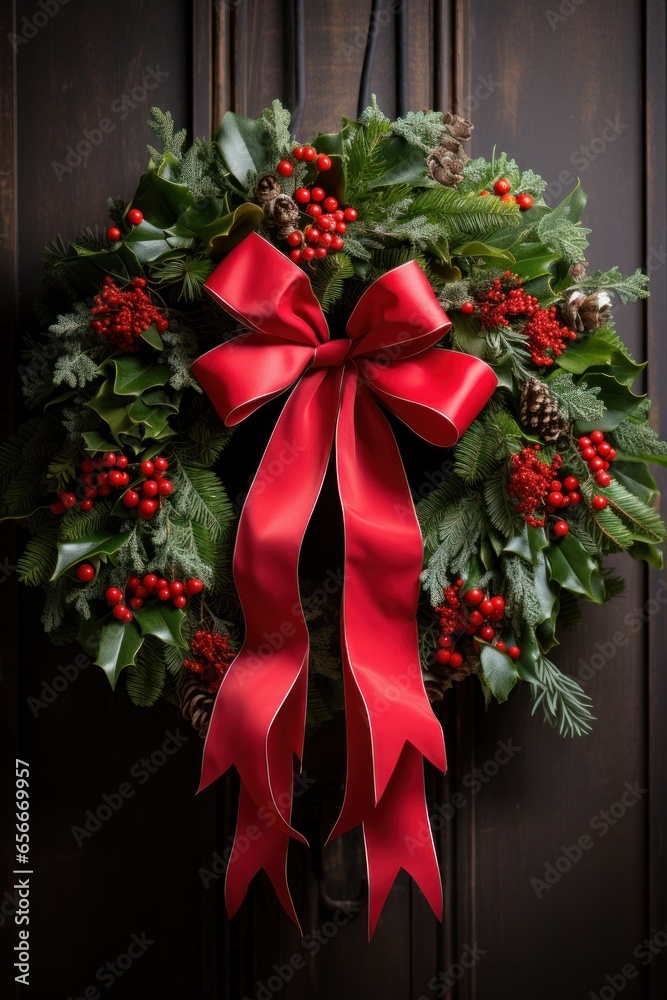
[(552, 97)]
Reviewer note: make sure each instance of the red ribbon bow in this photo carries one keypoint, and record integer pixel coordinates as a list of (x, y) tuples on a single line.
[(258, 721)]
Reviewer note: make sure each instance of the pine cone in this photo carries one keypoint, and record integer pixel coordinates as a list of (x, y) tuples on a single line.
[(578, 270), (440, 679), (445, 162), (283, 212), (196, 704), (268, 188), (539, 411), (586, 312)]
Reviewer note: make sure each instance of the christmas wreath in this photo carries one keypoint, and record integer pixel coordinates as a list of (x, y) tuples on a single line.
[(118, 478)]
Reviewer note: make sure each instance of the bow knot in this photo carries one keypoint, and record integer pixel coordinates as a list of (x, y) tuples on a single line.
[(258, 721), (332, 353)]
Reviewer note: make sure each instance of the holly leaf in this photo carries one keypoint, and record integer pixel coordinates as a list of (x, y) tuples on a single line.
[(244, 144), (133, 375), (572, 567), (528, 544), (100, 545), (165, 623), (652, 554), (119, 643), (476, 248), (152, 337), (225, 232), (162, 202), (498, 671)]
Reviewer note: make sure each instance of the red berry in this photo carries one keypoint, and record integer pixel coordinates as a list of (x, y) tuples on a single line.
[(147, 468), (588, 453), (318, 194), (486, 607), (164, 487), (162, 583), (163, 594), (341, 227), (602, 478), (445, 641), (603, 449), (507, 197), (314, 210), (194, 585), (468, 308), (309, 153), (136, 603), (130, 499), (295, 239), (116, 478), (150, 488), (476, 618), (487, 633), (135, 217), (331, 204), (85, 572), (323, 163), (141, 591), (337, 243), (555, 499), (180, 601), (285, 168), (524, 201), (133, 582), (596, 437), (313, 234), (176, 588), (57, 507), (571, 483), (307, 253), (596, 464), (498, 603), (326, 223), (443, 656), (147, 508), (501, 646), (87, 465), (574, 497), (351, 214), (109, 458), (302, 196), (502, 186), (483, 194), (86, 504), (160, 464), (295, 255), (599, 502), (298, 152), (321, 252), (150, 581), (455, 661), (514, 652), (113, 595), (113, 234), (561, 528), (611, 454), (474, 596), (104, 490), (122, 461), (556, 486), (584, 442), (122, 613), (68, 500), (325, 239)]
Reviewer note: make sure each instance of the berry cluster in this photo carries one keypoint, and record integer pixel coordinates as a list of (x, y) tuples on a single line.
[(152, 585), (330, 221), (530, 483), (502, 189), (96, 477), (125, 314), (135, 217), (506, 298), (153, 487), (473, 614), (211, 657), (598, 454)]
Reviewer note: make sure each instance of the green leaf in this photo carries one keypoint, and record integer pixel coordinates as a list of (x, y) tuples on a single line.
[(152, 337), (224, 234), (119, 644), (476, 248), (572, 567), (602, 348), (244, 144), (134, 375), (100, 545), (618, 399), (528, 544), (498, 671), (162, 202), (165, 623), (36, 562), (652, 554)]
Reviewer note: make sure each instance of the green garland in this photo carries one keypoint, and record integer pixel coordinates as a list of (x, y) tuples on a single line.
[(418, 198)]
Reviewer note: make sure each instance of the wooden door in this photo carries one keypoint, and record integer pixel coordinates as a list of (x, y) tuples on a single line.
[(571, 87)]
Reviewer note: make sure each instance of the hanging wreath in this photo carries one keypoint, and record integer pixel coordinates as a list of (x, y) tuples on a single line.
[(217, 289)]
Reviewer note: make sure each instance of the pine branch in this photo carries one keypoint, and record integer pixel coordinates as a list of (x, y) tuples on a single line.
[(635, 286), (565, 704), (576, 402), (329, 279)]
